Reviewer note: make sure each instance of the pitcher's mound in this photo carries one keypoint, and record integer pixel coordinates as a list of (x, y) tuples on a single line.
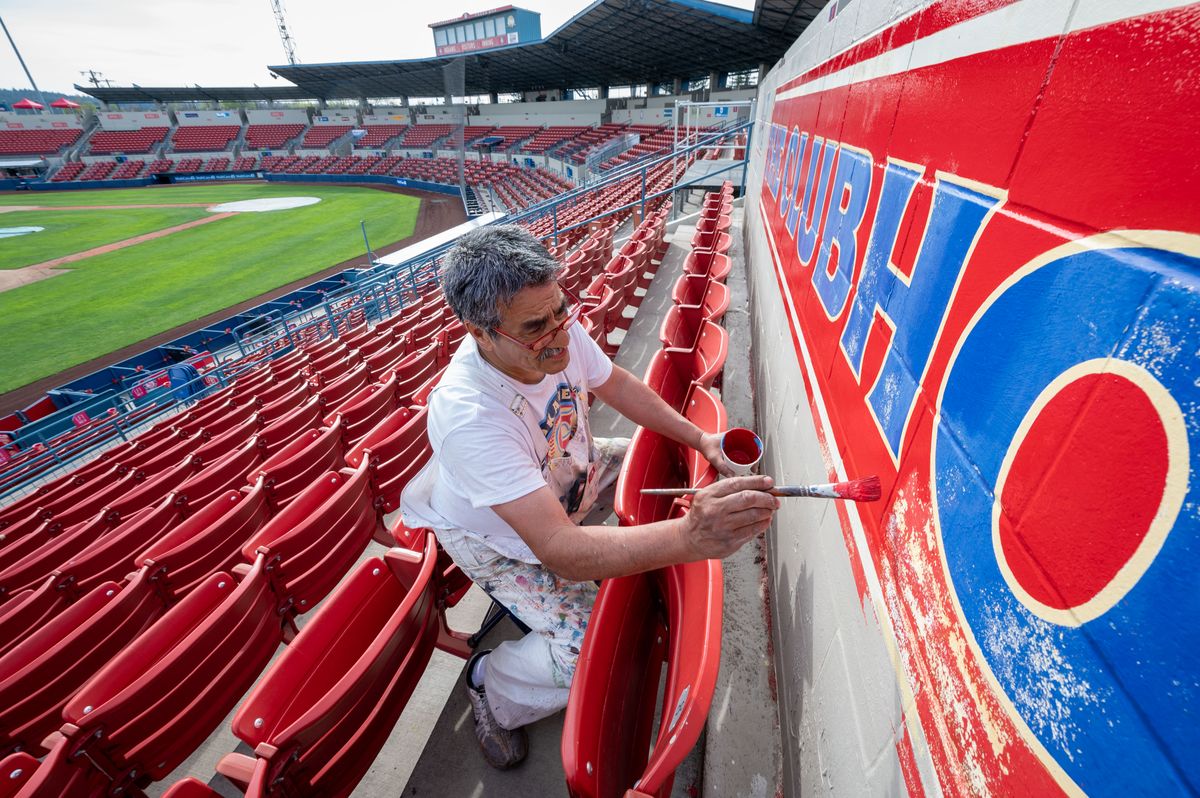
[(266, 204)]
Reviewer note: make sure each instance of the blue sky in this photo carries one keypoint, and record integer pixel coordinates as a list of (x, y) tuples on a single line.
[(222, 42)]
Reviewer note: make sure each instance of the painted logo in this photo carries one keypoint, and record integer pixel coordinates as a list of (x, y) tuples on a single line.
[(560, 421)]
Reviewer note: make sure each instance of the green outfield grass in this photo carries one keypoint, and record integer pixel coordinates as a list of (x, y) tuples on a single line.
[(112, 300), (68, 232)]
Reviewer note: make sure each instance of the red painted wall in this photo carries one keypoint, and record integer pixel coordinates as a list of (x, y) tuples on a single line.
[(974, 241)]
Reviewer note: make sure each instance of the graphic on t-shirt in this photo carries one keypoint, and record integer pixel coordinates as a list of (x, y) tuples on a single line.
[(560, 420)]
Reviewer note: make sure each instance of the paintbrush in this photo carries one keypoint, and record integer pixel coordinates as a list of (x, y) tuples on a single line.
[(856, 490)]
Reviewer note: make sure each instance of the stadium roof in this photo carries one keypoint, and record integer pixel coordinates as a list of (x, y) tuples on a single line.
[(609, 43), (184, 94)]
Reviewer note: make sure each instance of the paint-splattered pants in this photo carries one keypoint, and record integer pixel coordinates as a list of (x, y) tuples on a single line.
[(530, 678)]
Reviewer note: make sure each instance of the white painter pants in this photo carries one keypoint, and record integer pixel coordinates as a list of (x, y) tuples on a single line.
[(530, 679)]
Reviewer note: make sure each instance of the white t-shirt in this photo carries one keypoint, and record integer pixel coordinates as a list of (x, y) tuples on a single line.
[(495, 439)]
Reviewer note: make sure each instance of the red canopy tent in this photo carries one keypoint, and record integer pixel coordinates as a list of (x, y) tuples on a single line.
[(27, 104), (63, 102)]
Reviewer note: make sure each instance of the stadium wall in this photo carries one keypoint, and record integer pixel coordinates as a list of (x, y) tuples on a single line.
[(286, 116), (132, 120), (974, 263), (208, 118), (13, 121)]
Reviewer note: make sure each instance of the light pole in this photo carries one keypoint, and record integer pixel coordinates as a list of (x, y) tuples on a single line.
[(36, 90)]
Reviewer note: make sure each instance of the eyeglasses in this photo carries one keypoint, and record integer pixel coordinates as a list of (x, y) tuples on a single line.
[(574, 311)]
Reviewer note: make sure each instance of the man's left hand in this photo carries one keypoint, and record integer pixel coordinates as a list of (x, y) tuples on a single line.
[(710, 447)]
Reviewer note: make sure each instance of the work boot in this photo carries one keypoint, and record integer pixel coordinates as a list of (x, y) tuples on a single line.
[(502, 748)]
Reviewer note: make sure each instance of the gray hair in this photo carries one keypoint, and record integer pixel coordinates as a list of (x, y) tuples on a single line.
[(488, 267)]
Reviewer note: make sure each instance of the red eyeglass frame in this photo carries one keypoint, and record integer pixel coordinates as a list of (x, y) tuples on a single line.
[(543, 340)]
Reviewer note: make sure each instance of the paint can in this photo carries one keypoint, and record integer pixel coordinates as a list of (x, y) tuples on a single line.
[(742, 448)]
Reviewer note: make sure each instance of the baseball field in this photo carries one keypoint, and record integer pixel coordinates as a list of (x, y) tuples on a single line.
[(84, 273)]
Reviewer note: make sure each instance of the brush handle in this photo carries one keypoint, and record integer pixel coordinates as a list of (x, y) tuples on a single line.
[(787, 491)]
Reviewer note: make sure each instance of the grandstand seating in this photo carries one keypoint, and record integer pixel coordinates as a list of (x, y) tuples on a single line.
[(204, 138), (160, 165), (97, 170), (322, 135), (512, 134), (37, 142), (188, 165), (271, 137), (104, 142), (127, 170), (424, 136), (549, 137), (379, 135), (69, 171), (219, 164), (143, 665), (245, 163)]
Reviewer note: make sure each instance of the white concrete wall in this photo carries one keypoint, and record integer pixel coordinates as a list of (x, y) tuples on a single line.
[(14, 121), (576, 112), (328, 117), (277, 116), (388, 116), (132, 120), (208, 118)]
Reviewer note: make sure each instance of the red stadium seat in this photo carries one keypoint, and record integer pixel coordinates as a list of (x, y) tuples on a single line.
[(27, 611), (395, 451), (190, 788), (148, 708), (43, 671), (219, 475), (319, 535), (672, 369), (15, 770), (274, 436), (112, 556), (640, 625), (335, 393), (208, 541), (388, 357), (697, 289), (715, 265), (298, 464), (322, 712), (295, 384), (365, 409), (414, 371)]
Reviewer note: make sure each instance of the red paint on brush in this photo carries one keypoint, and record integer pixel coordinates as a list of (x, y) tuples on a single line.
[(859, 490)]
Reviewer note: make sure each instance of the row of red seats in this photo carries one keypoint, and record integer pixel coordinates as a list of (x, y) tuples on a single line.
[(37, 142), (194, 608), (105, 142), (661, 627), (204, 138), (382, 646), (332, 367), (545, 139), (271, 137), (380, 135), (322, 135)]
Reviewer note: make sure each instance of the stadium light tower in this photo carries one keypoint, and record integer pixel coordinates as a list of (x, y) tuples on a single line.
[(289, 44)]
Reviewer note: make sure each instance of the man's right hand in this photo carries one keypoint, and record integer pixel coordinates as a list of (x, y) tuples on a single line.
[(727, 513)]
